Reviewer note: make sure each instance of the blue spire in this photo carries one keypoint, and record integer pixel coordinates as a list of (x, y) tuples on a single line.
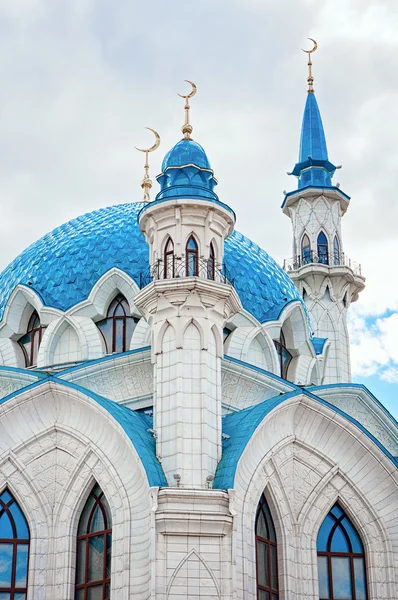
[(314, 167)]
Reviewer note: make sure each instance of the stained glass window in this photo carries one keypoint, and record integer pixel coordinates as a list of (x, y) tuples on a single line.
[(30, 342), (14, 549), (169, 259), (266, 553), (341, 559), (192, 257), (117, 329), (305, 250), (94, 548), (284, 356), (322, 244)]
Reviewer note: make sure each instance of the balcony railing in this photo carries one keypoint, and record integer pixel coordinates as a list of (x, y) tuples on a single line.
[(335, 259), (177, 268)]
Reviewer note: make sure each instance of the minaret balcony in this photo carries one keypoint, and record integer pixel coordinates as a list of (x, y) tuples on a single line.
[(335, 259), (179, 267)]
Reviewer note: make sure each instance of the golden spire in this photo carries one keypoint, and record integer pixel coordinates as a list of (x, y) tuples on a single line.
[(310, 78), (146, 183), (187, 127)]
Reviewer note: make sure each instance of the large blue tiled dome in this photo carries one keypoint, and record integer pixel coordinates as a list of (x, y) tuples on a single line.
[(63, 266)]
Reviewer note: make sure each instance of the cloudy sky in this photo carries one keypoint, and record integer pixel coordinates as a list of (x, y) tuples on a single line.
[(80, 79)]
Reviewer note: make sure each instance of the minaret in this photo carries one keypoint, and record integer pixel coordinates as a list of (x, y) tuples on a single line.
[(325, 276), (187, 301)]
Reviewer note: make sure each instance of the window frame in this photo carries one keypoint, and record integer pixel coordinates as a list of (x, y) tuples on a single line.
[(169, 252), (280, 346), (273, 592), (320, 245), (118, 300), (305, 250), (191, 252), (15, 541), (33, 332), (211, 263)]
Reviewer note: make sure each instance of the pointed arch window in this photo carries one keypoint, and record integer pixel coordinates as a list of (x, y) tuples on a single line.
[(336, 250), (341, 559), (266, 557), (284, 356), (322, 245), (94, 547), (118, 326), (14, 549), (169, 259), (192, 257), (305, 250), (30, 342), (211, 263)]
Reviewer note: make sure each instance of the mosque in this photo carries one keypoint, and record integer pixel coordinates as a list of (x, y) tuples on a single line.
[(177, 417)]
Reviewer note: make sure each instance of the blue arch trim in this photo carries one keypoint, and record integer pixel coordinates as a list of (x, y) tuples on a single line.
[(135, 425)]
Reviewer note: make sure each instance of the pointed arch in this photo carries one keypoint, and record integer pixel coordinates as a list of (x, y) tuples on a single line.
[(211, 263), (118, 326), (192, 257), (322, 248), (266, 552), (336, 250), (305, 250), (168, 259), (94, 544), (31, 340), (341, 558), (195, 562), (14, 548)]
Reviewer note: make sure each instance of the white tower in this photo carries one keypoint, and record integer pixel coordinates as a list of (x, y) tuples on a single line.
[(326, 278), (187, 303)]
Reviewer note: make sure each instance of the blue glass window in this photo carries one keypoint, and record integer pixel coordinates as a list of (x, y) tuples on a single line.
[(30, 342), (322, 246), (14, 549), (94, 548), (341, 559), (284, 356), (117, 329), (336, 251), (305, 250), (266, 553), (192, 257)]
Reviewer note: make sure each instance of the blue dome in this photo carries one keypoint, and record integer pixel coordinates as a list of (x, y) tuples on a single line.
[(186, 152), (63, 266)]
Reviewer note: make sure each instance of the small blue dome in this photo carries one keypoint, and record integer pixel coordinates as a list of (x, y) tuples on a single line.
[(63, 266), (186, 152)]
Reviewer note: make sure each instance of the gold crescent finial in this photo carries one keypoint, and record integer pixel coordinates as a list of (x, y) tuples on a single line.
[(310, 77), (146, 183), (187, 127)]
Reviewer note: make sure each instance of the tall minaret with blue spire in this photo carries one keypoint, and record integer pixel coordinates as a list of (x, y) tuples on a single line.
[(327, 279)]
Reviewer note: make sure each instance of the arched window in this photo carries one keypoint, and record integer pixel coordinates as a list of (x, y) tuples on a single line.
[(322, 243), (305, 250), (336, 250), (267, 569), (341, 559), (192, 257), (14, 549), (94, 546), (211, 263), (284, 356), (169, 259), (118, 326), (30, 342)]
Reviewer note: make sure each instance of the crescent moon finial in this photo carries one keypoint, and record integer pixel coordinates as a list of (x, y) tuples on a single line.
[(187, 127), (310, 78), (146, 183)]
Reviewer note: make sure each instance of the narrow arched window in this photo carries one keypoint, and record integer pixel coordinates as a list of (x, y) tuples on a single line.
[(192, 257), (341, 559), (305, 250), (336, 250), (323, 253), (14, 549), (30, 342), (211, 264), (94, 547), (169, 259), (284, 356), (118, 326), (266, 558)]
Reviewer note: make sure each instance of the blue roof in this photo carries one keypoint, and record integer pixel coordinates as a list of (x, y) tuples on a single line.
[(63, 266), (186, 152), (314, 167)]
